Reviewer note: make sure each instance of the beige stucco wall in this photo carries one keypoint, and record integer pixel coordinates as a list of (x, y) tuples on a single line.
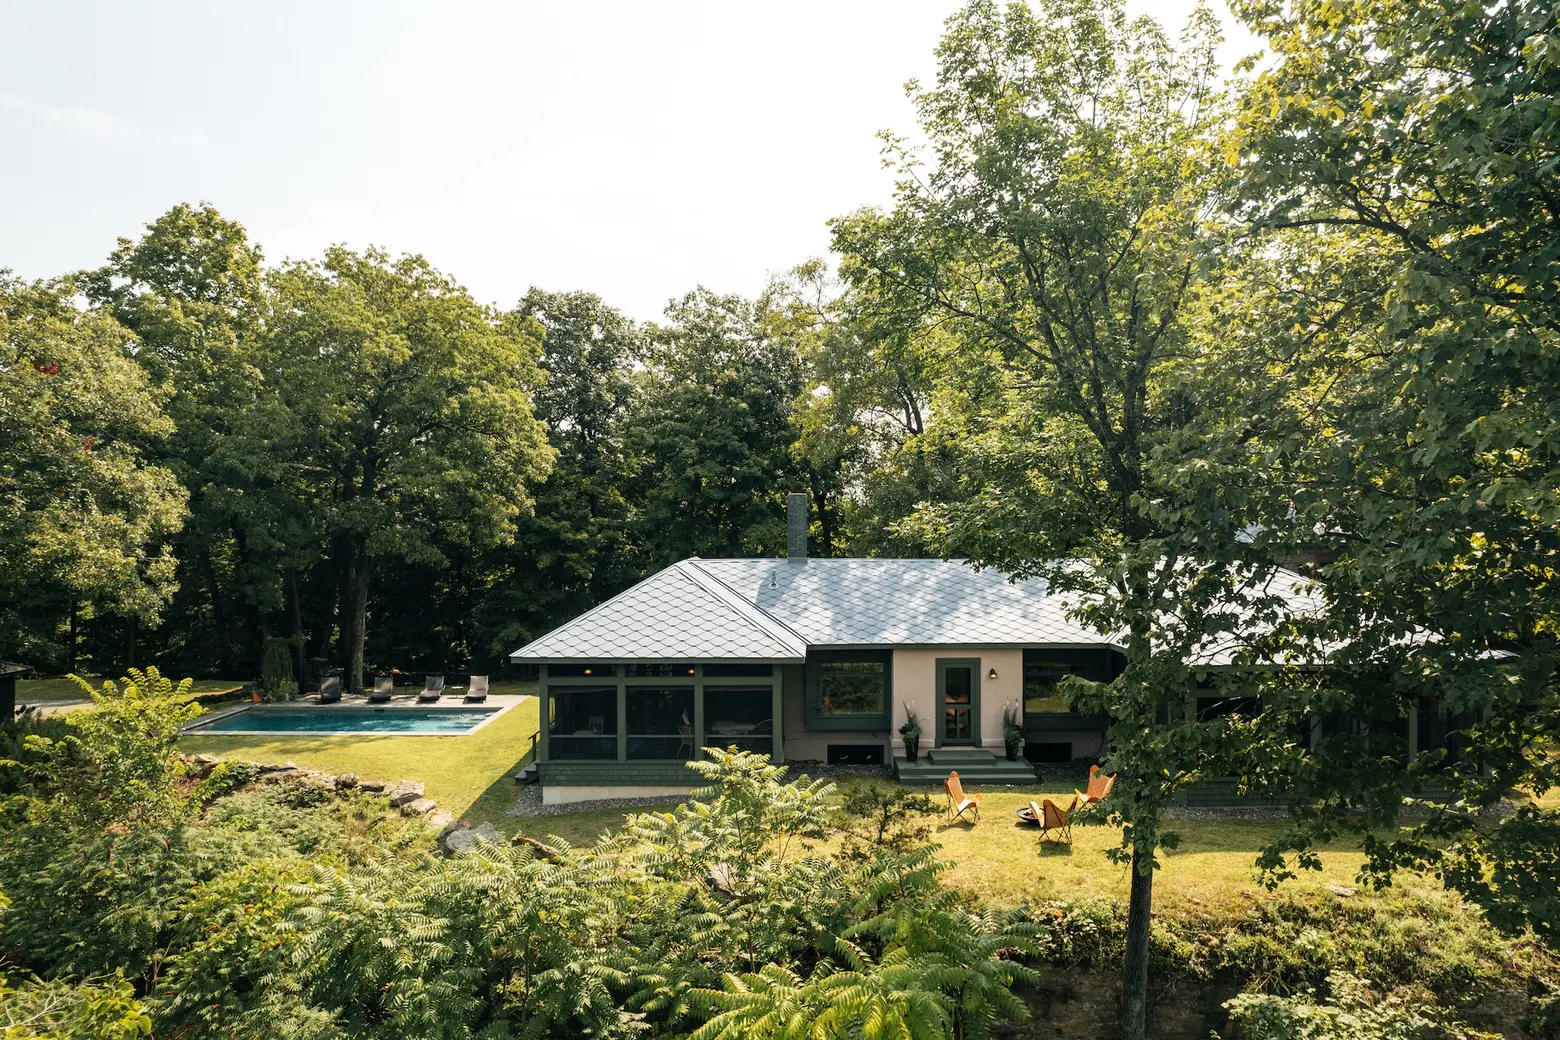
[(915, 685)]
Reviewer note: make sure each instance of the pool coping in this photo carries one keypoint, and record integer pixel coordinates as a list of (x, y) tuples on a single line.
[(197, 727)]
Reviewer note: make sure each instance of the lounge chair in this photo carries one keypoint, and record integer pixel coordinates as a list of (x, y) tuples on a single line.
[(958, 803), (1100, 787), (330, 690), (1054, 819), (476, 693), (433, 689), (384, 685)]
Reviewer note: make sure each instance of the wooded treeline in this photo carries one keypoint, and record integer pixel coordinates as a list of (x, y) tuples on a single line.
[(351, 457), (1128, 324)]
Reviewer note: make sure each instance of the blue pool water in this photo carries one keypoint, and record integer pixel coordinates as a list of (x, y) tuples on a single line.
[(348, 720)]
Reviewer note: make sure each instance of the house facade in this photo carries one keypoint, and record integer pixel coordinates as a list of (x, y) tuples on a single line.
[(816, 660), (822, 660)]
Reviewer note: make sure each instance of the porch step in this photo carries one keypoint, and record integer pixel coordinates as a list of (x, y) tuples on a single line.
[(954, 757), (974, 766)]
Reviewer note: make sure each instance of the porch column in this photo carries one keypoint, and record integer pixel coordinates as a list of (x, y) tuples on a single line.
[(545, 700), (776, 711)]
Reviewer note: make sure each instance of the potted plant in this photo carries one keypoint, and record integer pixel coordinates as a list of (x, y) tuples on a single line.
[(1012, 732), (911, 731)]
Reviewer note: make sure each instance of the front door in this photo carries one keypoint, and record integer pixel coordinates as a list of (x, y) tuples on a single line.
[(958, 701)]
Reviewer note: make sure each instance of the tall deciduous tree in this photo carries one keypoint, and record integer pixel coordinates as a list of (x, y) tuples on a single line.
[(84, 514), (1062, 232), (574, 551), (1424, 138), (191, 289), (414, 425), (711, 436)]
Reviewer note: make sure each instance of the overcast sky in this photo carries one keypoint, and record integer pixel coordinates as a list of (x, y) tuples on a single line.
[(631, 149)]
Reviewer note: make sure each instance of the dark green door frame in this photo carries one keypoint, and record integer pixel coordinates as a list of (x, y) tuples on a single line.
[(973, 738)]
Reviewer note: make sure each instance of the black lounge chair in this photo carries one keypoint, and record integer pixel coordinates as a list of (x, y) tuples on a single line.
[(330, 689), (433, 689), (476, 693), (384, 685)]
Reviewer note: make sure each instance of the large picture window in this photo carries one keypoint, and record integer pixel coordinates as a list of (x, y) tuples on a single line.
[(660, 723), (849, 689), (852, 687), (1041, 693), (581, 723)]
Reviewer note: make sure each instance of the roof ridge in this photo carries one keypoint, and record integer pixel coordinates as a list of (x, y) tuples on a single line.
[(756, 615)]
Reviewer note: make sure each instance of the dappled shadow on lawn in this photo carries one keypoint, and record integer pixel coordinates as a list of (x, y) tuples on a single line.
[(494, 803)]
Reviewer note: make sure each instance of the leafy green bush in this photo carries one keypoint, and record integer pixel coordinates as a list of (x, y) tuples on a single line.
[(1354, 1012), (34, 1010)]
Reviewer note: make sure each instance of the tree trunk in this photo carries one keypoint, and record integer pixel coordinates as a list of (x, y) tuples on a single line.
[(356, 621), (218, 615), (1134, 968), (300, 648), (130, 645), (75, 641)]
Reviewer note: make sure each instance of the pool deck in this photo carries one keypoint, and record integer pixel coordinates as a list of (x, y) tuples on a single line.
[(496, 704)]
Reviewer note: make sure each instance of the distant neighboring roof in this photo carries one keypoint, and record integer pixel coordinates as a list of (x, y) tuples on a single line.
[(11, 668), (775, 609)]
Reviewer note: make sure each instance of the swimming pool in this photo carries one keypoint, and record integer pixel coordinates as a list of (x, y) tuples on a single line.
[(346, 721)]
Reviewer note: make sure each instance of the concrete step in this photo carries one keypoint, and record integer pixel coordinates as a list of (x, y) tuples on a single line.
[(954, 756), (992, 771)]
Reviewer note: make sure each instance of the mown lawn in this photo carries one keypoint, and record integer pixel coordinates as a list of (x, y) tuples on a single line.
[(467, 775), (995, 858), (999, 860)]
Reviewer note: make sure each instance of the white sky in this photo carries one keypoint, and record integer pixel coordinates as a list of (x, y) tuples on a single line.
[(630, 149)]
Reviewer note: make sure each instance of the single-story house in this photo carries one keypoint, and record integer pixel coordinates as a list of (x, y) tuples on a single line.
[(809, 660), (814, 660)]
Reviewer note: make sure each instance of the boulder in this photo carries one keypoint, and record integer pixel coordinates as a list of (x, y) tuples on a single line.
[(204, 759), (406, 791), (418, 807), (444, 822), (460, 840), (346, 781), (488, 833), (372, 786)]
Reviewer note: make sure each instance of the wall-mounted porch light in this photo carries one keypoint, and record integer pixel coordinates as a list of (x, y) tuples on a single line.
[(991, 674)]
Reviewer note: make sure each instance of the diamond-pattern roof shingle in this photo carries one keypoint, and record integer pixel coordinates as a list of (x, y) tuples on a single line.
[(865, 602), (671, 614), (775, 609)]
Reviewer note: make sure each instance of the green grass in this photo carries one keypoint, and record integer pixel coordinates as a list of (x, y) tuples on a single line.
[(996, 858), (54, 691), (467, 775), (1002, 861)]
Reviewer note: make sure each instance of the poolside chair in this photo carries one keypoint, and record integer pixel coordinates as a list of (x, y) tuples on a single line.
[(476, 693), (384, 685), (958, 803), (433, 689), (1054, 820), (1100, 787), (330, 689)]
